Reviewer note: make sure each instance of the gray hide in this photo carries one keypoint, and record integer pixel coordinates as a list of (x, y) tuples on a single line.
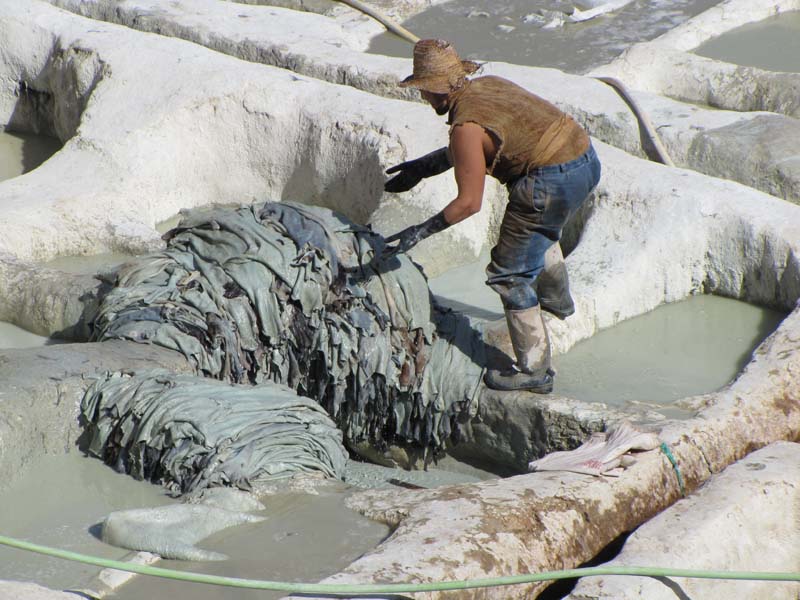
[(190, 433), (294, 294)]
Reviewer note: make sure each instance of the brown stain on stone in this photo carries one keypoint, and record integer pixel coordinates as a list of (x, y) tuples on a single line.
[(787, 404), (485, 559)]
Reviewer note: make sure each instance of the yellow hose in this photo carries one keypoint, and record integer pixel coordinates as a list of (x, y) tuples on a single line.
[(383, 20)]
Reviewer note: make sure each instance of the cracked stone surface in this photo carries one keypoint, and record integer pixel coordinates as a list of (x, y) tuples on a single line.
[(162, 107)]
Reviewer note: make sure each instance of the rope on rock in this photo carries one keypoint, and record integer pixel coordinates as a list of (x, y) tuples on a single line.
[(668, 453), (395, 588)]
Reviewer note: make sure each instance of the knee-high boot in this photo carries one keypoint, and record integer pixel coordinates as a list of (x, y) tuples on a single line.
[(552, 285), (532, 349)]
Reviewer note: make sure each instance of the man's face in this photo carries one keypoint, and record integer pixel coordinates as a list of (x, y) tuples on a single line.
[(438, 102)]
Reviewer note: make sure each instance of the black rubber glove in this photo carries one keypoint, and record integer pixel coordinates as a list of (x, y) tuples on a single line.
[(414, 171), (411, 236)]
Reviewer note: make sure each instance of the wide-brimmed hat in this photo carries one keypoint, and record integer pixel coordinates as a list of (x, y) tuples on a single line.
[(438, 68)]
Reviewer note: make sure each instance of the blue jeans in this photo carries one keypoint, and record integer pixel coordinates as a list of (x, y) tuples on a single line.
[(539, 205)]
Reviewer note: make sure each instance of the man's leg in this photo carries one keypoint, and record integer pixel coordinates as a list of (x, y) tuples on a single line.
[(531, 345), (517, 260), (552, 285)]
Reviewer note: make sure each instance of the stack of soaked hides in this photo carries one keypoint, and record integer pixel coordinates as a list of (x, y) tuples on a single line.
[(295, 295), (189, 433)]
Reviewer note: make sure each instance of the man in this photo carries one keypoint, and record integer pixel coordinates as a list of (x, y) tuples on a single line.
[(547, 162)]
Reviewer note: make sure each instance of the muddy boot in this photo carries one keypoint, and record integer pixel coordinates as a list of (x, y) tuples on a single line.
[(552, 285), (532, 348)]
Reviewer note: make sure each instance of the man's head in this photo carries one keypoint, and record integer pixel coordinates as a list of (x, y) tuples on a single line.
[(438, 71), (439, 102)]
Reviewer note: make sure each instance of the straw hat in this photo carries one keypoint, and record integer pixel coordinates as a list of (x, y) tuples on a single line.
[(437, 67)]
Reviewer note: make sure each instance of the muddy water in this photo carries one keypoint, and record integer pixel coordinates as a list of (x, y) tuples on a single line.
[(95, 263), (12, 336), (686, 348), (167, 224), (23, 152), (678, 350), (772, 44), (57, 502), (516, 31), (305, 538)]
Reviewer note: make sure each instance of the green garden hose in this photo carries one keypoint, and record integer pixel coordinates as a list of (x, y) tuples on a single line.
[(393, 588)]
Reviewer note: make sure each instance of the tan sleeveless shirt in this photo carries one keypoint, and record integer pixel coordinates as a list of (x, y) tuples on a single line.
[(530, 131)]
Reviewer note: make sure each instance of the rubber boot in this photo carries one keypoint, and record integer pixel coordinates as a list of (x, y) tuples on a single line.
[(552, 285), (531, 344)]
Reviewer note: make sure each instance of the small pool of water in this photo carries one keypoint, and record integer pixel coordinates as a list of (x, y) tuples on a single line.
[(12, 336), (89, 264), (60, 500), (523, 32), (167, 224), (23, 152), (56, 502), (304, 538), (687, 348), (772, 44)]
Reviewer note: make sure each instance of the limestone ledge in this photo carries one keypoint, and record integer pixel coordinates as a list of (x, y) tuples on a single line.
[(202, 128), (738, 520), (768, 162)]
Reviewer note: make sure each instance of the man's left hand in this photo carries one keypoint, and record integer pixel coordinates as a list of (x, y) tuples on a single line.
[(407, 239), (411, 236)]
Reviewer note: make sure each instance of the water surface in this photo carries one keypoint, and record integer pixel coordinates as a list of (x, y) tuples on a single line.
[(23, 152), (57, 502), (516, 31), (12, 336), (772, 44)]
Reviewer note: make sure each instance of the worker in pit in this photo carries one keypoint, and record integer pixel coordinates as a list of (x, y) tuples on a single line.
[(546, 161)]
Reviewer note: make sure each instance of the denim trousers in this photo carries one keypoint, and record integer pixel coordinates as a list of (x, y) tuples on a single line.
[(539, 205)]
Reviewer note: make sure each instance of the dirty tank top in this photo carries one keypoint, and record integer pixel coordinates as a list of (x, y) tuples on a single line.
[(530, 131)]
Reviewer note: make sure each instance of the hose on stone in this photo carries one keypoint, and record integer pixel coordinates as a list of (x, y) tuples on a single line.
[(644, 120), (331, 589), (383, 20), (641, 116)]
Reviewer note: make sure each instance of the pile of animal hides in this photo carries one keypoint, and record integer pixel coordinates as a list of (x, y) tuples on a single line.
[(190, 433), (299, 295)]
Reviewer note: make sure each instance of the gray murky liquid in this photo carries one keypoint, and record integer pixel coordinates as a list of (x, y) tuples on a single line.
[(304, 539), (23, 152), (772, 44), (513, 32), (93, 263), (683, 349), (12, 336), (56, 503), (306, 536)]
